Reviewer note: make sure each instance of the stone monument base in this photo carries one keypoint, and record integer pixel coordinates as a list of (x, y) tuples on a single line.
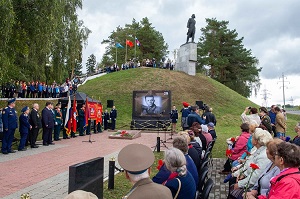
[(187, 58)]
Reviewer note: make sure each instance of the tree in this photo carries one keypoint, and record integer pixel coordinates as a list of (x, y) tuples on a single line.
[(229, 62), (91, 64), (7, 21), (152, 43), (37, 34), (78, 69)]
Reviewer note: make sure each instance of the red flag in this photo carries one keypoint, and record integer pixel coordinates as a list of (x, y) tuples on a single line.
[(87, 112), (74, 115), (99, 113), (129, 43)]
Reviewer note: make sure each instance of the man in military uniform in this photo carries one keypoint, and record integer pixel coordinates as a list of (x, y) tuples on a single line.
[(81, 120), (105, 119), (10, 123), (113, 117), (58, 121), (265, 120), (151, 107), (48, 124), (36, 123), (136, 160)]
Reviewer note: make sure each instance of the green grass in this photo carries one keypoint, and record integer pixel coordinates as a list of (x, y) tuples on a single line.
[(122, 185), (227, 104)]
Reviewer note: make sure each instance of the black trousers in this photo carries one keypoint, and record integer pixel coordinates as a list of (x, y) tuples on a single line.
[(33, 136), (113, 124), (47, 135), (227, 165)]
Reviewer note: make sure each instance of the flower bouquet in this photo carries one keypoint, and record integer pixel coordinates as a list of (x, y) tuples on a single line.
[(124, 134)]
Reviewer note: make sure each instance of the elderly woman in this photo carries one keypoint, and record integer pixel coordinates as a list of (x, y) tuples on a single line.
[(192, 152), (262, 186), (239, 148), (286, 185), (180, 182), (296, 140), (260, 139)]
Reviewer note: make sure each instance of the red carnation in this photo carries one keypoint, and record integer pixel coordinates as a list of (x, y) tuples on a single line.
[(248, 153), (160, 163), (254, 166), (228, 152), (232, 139)]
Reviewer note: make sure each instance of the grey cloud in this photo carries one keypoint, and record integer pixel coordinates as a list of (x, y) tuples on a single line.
[(263, 24)]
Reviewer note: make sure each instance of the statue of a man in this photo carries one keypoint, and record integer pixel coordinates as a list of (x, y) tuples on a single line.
[(191, 28)]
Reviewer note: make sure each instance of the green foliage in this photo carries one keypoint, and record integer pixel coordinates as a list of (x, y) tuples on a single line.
[(78, 69), (38, 34), (229, 61), (91, 64), (152, 43), (227, 104)]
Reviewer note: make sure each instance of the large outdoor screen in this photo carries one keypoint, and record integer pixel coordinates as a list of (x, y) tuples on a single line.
[(151, 105)]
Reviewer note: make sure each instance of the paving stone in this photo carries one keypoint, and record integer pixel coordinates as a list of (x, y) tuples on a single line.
[(43, 172)]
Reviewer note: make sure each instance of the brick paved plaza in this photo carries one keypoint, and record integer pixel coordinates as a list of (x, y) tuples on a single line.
[(43, 172)]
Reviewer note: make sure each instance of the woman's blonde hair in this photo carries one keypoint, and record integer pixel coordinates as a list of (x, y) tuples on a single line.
[(262, 136)]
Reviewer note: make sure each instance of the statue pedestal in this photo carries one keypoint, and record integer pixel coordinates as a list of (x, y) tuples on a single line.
[(187, 58)]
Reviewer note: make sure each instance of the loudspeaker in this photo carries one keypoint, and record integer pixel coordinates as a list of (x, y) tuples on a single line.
[(200, 104), (110, 103)]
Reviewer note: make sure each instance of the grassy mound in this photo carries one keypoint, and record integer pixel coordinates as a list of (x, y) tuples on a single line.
[(227, 104)]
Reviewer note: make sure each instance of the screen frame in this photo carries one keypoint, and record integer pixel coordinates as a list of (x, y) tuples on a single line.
[(163, 115)]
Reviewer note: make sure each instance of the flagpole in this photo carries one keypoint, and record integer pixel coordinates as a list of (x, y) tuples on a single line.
[(126, 53), (116, 54), (134, 49)]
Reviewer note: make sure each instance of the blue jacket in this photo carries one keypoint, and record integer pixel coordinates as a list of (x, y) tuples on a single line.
[(24, 124), (194, 117), (272, 117), (163, 174), (185, 112), (188, 187), (47, 118), (40, 87), (32, 88), (9, 118)]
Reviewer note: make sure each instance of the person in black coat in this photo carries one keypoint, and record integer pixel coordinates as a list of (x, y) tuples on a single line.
[(81, 120), (48, 124), (105, 119), (113, 117), (36, 123), (24, 128), (174, 118), (209, 116)]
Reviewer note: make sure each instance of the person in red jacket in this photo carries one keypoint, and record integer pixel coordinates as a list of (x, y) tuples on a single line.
[(287, 183), (239, 148)]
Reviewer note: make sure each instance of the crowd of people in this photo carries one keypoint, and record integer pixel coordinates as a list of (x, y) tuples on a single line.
[(51, 120), (262, 161), (167, 64), (38, 89), (179, 173)]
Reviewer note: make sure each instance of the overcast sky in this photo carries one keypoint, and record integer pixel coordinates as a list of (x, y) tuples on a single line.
[(271, 29)]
